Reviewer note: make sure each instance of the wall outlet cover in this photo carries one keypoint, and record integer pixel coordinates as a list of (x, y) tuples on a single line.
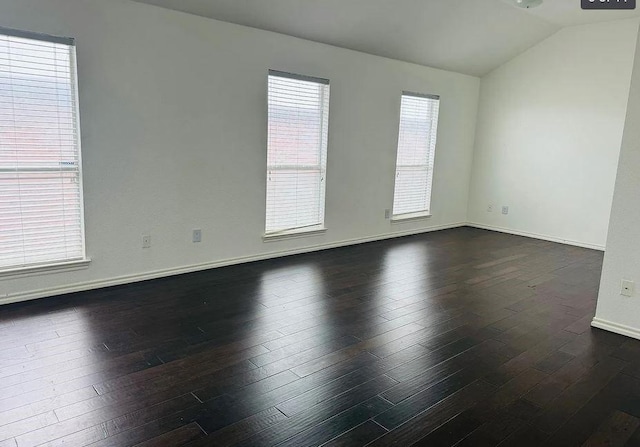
[(627, 288), (197, 236), (505, 210)]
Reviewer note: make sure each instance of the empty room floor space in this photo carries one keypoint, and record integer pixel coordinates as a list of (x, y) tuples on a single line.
[(459, 337)]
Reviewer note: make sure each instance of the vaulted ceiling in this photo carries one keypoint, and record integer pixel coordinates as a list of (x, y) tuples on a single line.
[(466, 36)]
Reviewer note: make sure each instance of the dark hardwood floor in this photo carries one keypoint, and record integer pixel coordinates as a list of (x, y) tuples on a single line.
[(461, 337)]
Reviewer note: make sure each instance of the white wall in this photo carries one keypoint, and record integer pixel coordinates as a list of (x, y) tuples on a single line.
[(549, 130), (622, 256), (173, 114)]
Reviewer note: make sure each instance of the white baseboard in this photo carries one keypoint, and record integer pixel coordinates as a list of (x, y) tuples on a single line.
[(127, 279), (616, 328), (537, 236)]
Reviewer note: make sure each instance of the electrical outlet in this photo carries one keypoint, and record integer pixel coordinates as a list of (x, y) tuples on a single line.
[(505, 210), (387, 214), (146, 241), (197, 236), (627, 288), (490, 208)]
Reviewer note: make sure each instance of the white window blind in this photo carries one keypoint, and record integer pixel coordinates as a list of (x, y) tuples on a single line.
[(296, 152), (40, 183), (416, 153)]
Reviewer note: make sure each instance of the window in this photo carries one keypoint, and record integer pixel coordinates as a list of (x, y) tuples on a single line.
[(296, 153), (41, 220), (416, 152)]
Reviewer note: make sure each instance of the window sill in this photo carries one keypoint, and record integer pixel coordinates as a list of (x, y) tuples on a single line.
[(409, 217), (46, 268), (293, 234)]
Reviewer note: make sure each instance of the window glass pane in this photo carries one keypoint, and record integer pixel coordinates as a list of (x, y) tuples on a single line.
[(416, 152), (296, 153), (40, 192)]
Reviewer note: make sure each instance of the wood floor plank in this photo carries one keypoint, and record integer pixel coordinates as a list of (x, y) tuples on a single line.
[(428, 397), (239, 431), (452, 431), (614, 432), (361, 435), (597, 418), (128, 432), (338, 424), (460, 337), (323, 411), (177, 437), (99, 424), (434, 416), (573, 398)]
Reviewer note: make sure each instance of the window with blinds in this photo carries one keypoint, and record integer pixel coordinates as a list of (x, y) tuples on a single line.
[(41, 218), (296, 152), (416, 153)]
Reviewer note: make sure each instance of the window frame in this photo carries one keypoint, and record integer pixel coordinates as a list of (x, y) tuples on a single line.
[(321, 167), (428, 166), (82, 261)]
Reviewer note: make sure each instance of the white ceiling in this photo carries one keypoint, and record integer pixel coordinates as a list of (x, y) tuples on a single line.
[(467, 36)]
